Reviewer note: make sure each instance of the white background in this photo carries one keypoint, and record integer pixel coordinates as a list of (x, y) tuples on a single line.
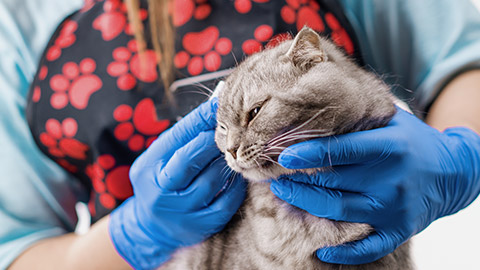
[(451, 242)]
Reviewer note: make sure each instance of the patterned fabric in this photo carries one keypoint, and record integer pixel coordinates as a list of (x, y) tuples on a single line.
[(96, 103)]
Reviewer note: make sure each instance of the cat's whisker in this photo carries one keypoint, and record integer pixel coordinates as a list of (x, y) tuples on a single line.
[(286, 154), (320, 132), (298, 137), (311, 134), (232, 178), (328, 150), (234, 58), (274, 150), (198, 92), (309, 131), (225, 171), (218, 158), (310, 119), (230, 175), (267, 158), (209, 90)]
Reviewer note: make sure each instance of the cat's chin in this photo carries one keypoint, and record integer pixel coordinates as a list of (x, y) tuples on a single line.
[(258, 171), (256, 174)]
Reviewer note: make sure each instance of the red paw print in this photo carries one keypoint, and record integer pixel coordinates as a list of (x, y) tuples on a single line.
[(129, 65), (262, 34), (110, 182), (42, 74), (303, 12), (64, 40), (114, 20), (37, 94), (244, 6), (59, 140), (202, 50), (339, 35), (67, 165), (143, 120), (75, 85), (185, 9)]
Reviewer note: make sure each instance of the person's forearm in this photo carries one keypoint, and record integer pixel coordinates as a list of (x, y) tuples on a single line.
[(93, 250), (458, 104)]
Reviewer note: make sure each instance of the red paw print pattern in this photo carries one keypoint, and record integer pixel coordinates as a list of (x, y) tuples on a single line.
[(339, 35), (143, 120), (262, 34), (244, 6), (114, 20), (129, 65), (64, 40), (184, 10), (75, 85), (108, 181), (202, 50), (58, 138), (303, 12), (37, 93)]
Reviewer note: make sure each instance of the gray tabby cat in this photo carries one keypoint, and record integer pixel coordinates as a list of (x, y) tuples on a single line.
[(300, 89)]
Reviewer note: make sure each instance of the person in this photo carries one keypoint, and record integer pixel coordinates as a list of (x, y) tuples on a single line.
[(94, 104)]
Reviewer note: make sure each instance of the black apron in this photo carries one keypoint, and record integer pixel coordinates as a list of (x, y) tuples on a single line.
[(93, 108)]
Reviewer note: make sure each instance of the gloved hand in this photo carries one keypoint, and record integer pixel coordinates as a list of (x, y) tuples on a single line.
[(182, 193), (399, 179)]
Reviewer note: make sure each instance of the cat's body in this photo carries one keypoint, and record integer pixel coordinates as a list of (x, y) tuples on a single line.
[(267, 233), (299, 90)]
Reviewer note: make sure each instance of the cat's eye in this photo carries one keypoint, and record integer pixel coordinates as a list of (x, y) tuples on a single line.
[(253, 113), (222, 127)]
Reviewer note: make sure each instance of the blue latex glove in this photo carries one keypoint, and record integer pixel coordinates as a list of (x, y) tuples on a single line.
[(180, 196), (399, 179)]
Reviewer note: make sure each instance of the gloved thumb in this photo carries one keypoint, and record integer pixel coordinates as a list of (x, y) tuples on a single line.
[(372, 248)]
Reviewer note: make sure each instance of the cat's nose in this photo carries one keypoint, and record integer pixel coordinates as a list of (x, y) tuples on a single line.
[(233, 151)]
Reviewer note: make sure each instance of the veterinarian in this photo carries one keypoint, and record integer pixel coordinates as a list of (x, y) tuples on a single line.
[(95, 104)]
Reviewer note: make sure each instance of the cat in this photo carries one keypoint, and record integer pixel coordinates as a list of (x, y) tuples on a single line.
[(298, 90)]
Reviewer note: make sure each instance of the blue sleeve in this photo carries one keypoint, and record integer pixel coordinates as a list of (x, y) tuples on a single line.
[(417, 46), (37, 198)]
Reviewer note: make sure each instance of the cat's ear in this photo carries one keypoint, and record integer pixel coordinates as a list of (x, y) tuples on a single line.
[(306, 49)]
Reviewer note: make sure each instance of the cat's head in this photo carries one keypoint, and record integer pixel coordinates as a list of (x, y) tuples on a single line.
[(298, 90)]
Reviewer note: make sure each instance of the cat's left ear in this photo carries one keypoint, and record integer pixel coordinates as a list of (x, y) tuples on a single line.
[(306, 50)]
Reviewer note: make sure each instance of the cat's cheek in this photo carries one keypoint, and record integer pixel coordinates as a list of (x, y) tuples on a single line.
[(220, 141)]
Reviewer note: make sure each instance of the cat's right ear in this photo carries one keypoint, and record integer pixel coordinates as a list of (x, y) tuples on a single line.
[(306, 50)]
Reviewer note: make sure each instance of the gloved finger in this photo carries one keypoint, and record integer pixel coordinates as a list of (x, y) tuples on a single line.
[(351, 178), (370, 249), (351, 148), (324, 202), (188, 161), (206, 186), (201, 119)]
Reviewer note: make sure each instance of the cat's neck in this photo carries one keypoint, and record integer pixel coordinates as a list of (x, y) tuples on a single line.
[(284, 231)]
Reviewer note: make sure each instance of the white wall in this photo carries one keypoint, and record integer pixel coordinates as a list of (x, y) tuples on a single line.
[(451, 242)]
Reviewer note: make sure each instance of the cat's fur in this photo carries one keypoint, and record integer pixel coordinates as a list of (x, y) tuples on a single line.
[(308, 86)]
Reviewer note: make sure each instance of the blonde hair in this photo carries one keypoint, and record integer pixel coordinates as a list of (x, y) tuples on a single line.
[(162, 33)]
